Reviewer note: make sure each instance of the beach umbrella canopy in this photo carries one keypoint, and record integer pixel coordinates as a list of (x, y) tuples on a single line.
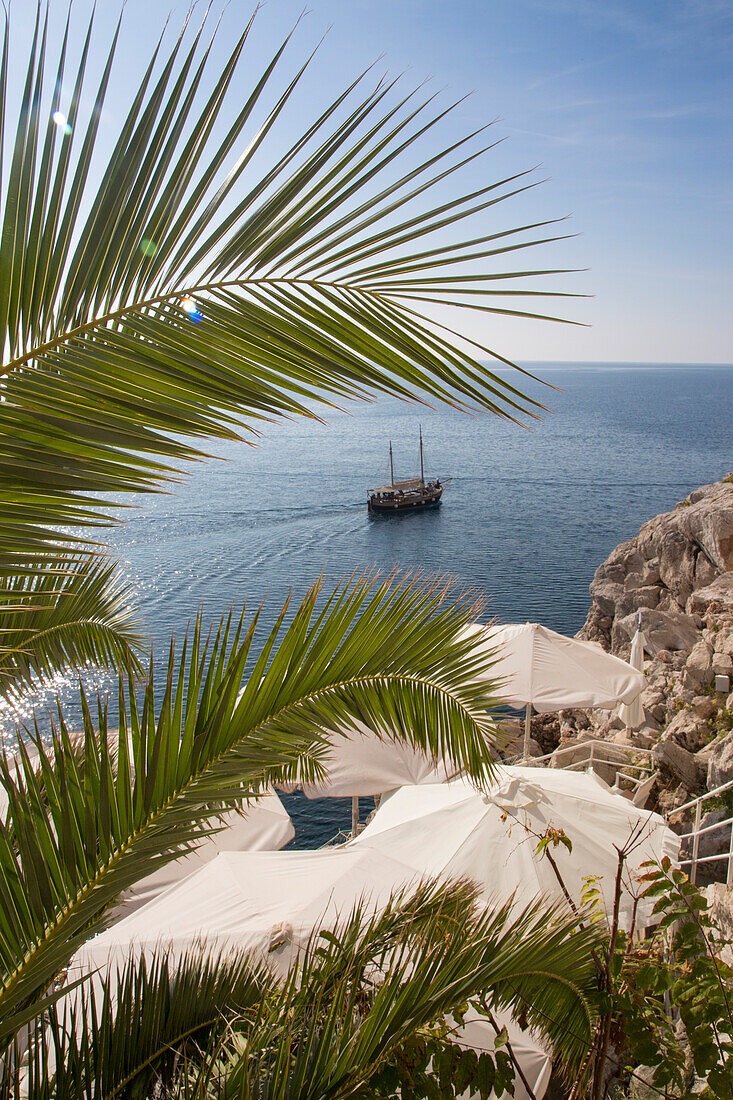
[(360, 763), (262, 826), (450, 830), (632, 714), (269, 904), (263, 903), (550, 671), (537, 667)]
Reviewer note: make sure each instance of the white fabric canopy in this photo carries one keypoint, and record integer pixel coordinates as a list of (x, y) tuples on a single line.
[(251, 901), (537, 665), (264, 826), (549, 671), (632, 714), (451, 830), (268, 904), (360, 763)]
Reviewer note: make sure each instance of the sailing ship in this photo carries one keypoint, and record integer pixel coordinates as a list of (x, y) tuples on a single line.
[(413, 495)]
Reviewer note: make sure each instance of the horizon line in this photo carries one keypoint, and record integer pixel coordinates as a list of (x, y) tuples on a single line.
[(618, 363)]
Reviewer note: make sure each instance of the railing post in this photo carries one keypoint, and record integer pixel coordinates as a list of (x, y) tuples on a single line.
[(729, 881), (696, 841), (590, 758)]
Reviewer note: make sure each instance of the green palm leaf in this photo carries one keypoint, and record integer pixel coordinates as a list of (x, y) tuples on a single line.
[(198, 298), (76, 612), (132, 1029), (384, 654), (356, 996), (361, 993)]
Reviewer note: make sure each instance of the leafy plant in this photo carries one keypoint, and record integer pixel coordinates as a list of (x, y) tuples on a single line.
[(669, 996), (380, 653), (80, 612), (701, 987), (367, 998), (368, 1005)]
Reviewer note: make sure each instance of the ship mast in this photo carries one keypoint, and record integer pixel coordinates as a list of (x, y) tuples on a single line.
[(391, 463), (422, 471)]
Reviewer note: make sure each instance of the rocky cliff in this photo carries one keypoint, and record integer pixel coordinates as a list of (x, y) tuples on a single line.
[(678, 571), (677, 576)]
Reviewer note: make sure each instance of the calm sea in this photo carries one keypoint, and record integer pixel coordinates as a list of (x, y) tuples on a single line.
[(527, 517)]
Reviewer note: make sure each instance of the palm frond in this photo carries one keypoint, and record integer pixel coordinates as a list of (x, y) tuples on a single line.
[(77, 611), (364, 990), (383, 653), (358, 993), (201, 297), (129, 1029)]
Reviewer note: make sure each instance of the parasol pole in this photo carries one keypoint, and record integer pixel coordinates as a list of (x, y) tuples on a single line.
[(527, 725), (354, 815)]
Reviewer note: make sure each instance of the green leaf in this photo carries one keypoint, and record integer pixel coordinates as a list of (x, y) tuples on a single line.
[(74, 612), (315, 277)]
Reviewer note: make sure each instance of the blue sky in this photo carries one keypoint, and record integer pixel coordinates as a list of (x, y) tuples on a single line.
[(626, 105)]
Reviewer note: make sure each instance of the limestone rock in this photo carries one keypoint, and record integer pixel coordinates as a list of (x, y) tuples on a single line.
[(723, 665), (716, 842), (677, 560), (686, 729), (631, 601), (718, 595), (720, 900), (677, 574), (606, 595), (662, 630), (720, 767), (699, 664), (671, 800), (677, 760), (676, 564)]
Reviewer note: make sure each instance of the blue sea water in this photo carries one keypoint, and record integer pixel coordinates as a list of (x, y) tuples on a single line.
[(526, 519)]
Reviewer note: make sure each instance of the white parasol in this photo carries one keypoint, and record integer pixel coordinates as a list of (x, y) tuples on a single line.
[(632, 714), (450, 830), (269, 905), (548, 671), (360, 763)]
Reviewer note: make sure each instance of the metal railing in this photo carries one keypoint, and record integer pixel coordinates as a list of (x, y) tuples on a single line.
[(628, 764), (638, 772), (698, 830)]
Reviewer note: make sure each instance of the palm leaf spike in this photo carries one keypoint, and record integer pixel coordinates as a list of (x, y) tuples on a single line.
[(11, 241), (134, 1028), (290, 306)]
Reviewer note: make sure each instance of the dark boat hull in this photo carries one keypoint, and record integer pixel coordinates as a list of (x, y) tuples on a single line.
[(391, 507)]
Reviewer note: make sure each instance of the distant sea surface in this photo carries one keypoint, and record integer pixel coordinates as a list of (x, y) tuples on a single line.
[(527, 517)]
